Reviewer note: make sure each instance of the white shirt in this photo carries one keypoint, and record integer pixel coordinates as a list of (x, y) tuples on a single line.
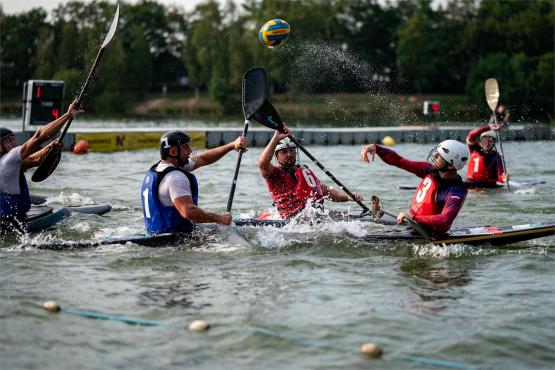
[(175, 184), (10, 167)]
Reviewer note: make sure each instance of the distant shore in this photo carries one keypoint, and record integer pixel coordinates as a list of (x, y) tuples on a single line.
[(330, 110)]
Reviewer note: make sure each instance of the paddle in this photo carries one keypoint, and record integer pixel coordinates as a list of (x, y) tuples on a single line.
[(255, 92), (492, 97), (269, 117), (378, 212), (52, 159)]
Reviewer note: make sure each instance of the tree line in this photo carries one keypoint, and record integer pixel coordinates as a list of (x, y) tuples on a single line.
[(403, 46)]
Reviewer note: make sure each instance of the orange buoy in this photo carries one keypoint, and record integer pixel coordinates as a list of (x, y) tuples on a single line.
[(81, 147)]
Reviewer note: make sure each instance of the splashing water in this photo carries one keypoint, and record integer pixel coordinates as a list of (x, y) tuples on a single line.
[(73, 199), (320, 66)]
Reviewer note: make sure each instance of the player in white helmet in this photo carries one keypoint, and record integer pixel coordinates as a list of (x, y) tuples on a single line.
[(441, 193), (293, 186), (485, 166)]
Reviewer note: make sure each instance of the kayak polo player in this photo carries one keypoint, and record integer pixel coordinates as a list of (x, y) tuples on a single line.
[(441, 193), (170, 191), (15, 159), (292, 186)]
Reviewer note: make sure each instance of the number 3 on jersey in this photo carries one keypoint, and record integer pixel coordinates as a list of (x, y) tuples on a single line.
[(422, 192)]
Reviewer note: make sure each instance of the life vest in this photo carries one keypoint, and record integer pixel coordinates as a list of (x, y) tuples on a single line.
[(160, 218), (424, 200), (298, 189), (16, 205), (477, 169)]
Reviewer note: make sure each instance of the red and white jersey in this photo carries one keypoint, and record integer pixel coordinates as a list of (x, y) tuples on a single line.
[(290, 193)]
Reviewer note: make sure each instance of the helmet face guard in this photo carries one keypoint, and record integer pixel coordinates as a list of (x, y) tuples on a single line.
[(286, 144), (455, 154), (432, 159)]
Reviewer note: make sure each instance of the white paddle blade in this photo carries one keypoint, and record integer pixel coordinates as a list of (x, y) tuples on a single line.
[(112, 29), (492, 93)]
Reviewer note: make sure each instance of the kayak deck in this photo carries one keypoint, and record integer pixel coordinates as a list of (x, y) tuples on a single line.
[(41, 217), (486, 235)]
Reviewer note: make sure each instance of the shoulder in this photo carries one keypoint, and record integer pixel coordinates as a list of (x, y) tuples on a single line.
[(13, 155), (176, 177), (11, 159), (189, 166), (459, 187), (274, 172)]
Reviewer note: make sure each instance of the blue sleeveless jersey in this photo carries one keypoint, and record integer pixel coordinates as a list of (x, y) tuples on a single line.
[(16, 205), (160, 218)]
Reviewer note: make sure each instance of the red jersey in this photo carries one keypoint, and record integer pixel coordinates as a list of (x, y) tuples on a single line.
[(482, 167), (291, 192), (436, 201)]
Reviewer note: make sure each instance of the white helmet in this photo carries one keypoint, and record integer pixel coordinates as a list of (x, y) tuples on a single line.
[(285, 144), (453, 152), (490, 133)]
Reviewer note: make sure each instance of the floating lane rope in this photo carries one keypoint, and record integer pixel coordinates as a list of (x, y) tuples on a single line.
[(439, 363), (371, 350)]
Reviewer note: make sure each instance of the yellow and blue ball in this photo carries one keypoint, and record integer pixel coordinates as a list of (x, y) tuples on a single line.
[(274, 32)]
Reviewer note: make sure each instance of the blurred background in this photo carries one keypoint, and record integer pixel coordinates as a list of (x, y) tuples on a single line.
[(346, 62)]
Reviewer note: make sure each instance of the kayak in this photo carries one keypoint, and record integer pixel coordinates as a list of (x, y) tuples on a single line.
[(43, 217), (484, 235), (492, 235), (146, 240), (263, 219), (485, 185)]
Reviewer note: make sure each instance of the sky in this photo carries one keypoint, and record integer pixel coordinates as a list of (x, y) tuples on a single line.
[(18, 6)]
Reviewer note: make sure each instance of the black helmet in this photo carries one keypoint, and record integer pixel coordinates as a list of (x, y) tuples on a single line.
[(170, 139), (5, 132)]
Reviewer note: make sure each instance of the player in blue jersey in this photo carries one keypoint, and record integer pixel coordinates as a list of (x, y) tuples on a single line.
[(170, 191)]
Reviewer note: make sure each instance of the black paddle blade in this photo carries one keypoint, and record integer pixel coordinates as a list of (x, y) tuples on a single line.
[(48, 165), (268, 116), (255, 90)]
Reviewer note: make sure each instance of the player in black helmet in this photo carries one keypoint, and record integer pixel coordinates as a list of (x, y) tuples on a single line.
[(170, 191)]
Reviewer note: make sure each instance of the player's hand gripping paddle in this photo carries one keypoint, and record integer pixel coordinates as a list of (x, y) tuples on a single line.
[(52, 159), (255, 92)]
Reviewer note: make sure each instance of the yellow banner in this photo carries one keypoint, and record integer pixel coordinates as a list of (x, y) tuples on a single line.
[(116, 141)]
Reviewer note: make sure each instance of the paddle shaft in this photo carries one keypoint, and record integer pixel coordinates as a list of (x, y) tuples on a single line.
[(501, 150), (415, 225), (83, 90), (301, 147), (237, 166)]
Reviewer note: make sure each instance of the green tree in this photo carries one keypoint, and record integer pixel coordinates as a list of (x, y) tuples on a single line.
[(543, 90), (421, 50), (139, 64), (18, 44), (73, 80), (201, 43)]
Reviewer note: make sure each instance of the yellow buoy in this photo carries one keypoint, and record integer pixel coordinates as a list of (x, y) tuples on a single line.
[(198, 325), (371, 350), (388, 141), (51, 306)]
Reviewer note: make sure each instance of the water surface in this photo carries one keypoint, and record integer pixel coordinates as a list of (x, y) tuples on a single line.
[(301, 297)]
